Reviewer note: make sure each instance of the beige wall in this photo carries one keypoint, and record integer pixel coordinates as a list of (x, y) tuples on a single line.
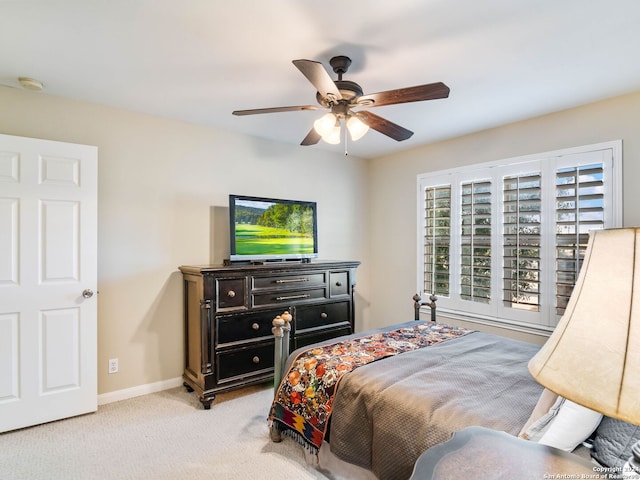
[(393, 186), (158, 183)]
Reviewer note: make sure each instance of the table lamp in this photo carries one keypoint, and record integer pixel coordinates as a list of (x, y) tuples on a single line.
[(593, 356)]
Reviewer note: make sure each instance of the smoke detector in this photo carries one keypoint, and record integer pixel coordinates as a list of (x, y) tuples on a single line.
[(30, 83)]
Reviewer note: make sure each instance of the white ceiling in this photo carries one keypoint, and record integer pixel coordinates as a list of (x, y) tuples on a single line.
[(198, 60)]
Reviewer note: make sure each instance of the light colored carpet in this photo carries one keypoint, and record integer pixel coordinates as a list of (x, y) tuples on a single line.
[(161, 436)]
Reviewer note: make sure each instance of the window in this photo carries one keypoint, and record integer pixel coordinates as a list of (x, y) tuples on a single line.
[(437, 239), (475, 241), (521, 240), (503, 242)]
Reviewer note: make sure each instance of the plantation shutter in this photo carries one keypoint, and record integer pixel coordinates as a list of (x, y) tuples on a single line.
[(475, 250), (579, 208), (522, 241), (437, 239), (503, 242)]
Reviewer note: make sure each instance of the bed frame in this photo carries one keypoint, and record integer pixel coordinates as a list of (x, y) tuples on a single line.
[(281, 331)]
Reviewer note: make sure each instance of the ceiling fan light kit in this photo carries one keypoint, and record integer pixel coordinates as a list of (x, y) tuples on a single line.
[(329, 126), (357, 128), (340, 97), (333, 137), (325, 124)]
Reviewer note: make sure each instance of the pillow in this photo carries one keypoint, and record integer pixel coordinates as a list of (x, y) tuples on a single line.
[(613, 441), (571, 426), (563, 425), (543, 413)]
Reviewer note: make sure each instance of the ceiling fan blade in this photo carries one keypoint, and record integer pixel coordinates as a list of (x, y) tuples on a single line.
[(384, 126), (418, 93), (312, 138), (296, 108), (318, 76)]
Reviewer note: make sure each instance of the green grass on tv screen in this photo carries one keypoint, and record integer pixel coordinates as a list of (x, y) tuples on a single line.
[(261, 240)]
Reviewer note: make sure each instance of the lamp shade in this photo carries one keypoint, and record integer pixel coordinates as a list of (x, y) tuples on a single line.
[(328, 127), (333, 136), (593, 355), (325, 124), (356, 128)]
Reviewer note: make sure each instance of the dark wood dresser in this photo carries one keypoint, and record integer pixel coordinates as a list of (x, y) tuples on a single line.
[(228, 314)]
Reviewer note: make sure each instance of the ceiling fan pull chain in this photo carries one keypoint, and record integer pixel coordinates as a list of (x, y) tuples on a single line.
[(346, 139)]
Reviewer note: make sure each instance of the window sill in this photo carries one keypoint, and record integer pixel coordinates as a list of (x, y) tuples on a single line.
[(540, 330)]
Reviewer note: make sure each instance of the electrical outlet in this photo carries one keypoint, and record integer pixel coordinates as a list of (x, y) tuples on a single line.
[(113, 365)]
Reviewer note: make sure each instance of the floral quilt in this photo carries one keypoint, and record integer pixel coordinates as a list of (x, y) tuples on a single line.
[(304, 400)]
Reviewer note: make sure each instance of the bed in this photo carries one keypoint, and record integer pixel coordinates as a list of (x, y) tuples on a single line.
[(401, 390)]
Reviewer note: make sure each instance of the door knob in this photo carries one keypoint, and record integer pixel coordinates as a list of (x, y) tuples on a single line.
[(87, 293)]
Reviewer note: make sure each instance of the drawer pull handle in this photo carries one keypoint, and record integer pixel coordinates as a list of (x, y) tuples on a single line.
[(292, 297), (255, 326), (256, 359), (231, 294), (292, 280), (323, 315), (338, 284)]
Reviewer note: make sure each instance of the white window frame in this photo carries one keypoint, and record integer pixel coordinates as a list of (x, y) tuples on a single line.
[(547, 164)]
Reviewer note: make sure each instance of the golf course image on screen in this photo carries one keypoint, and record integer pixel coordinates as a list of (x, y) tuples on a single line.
[(272, 229)]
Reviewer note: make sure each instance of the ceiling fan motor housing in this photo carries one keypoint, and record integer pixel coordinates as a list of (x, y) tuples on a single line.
[(340, 64), (350, 92)]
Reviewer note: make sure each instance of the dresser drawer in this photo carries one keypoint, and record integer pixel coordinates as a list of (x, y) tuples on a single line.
[(289, 281), (290, 297), (338, 284), (320, 336), (313, 316), (241, 327), (245, 361), (231, 293)]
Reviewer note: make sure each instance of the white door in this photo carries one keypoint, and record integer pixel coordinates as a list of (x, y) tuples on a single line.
[(48, 258)]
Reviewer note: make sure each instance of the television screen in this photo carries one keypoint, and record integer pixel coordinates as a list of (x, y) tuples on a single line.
[(272, 229)]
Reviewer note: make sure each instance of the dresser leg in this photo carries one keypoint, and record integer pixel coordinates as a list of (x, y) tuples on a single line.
[(206, 401), (188, 387)]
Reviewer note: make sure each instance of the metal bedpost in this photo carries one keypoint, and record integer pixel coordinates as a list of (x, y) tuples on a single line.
[(280, 330), (417, 303), (286, 316), (278, 333), (432, 305)]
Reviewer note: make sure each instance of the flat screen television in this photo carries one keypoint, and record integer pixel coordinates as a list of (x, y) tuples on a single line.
[(270, 229)]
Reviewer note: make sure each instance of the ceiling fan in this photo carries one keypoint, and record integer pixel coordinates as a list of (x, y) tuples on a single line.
[(341, 97)]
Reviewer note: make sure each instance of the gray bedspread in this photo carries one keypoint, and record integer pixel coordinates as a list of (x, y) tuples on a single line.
[(388, 412)]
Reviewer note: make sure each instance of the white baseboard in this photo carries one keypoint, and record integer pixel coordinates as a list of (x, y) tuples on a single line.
[(118, 395)]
